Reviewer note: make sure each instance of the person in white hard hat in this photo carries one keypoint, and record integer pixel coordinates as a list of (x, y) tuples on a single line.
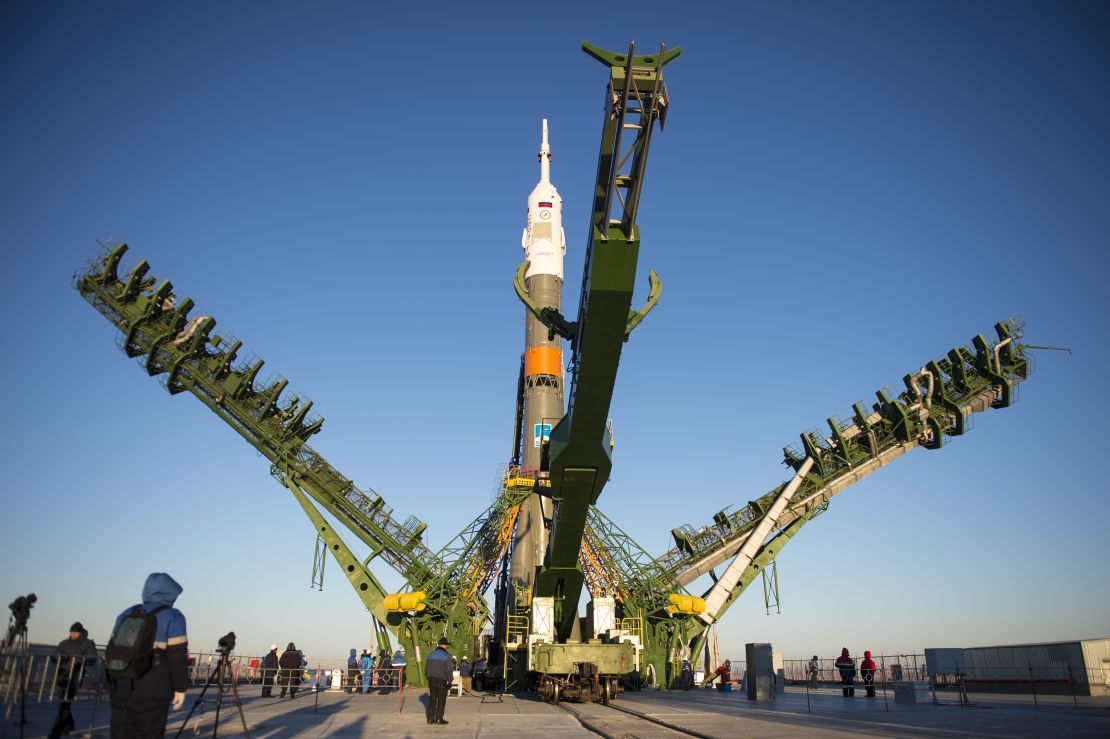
[(269, 670)]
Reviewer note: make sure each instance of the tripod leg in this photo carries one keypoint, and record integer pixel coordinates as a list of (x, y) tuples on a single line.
[(195, 704), (239, 705)]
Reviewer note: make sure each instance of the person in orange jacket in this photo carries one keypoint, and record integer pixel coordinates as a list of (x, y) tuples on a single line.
[(867, 672)]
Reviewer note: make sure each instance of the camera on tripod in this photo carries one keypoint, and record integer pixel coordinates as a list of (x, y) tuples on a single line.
[(17, 628), (227, 644), (21, 608)]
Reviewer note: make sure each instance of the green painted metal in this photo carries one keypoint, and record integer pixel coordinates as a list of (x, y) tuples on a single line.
[(188, 356), (579, 456)]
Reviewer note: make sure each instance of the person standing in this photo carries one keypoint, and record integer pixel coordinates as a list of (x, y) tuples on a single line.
[(399, 664), (290, 664), (141, 704), (867, 673), (815, 673), (352, 672), (269, 671), (847, 668), (480, 668), (72, 654), (464, 673), (385, 672), (366, 665), (438, 670)]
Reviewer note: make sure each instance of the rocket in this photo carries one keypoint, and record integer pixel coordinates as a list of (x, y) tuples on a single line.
[(544, 245)]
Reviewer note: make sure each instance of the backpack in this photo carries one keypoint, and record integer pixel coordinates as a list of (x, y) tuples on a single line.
[(130, 651)]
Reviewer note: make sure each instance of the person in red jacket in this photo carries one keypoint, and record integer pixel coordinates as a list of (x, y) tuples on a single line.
[(847, 668), (867, 672)]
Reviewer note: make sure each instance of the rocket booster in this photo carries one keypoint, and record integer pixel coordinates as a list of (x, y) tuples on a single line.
[(544, 247)]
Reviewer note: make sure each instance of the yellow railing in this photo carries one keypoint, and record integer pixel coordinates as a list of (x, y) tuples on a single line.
[(634, 625)]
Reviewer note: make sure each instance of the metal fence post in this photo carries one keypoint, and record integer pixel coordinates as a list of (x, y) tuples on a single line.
[(1033, 685), (882, 677), (1071, 681)]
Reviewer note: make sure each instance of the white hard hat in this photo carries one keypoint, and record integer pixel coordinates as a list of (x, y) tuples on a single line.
[(273, 646)]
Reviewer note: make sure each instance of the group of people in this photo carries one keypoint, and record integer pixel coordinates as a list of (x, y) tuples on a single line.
[(361, 670), (147, 662), (148, 672), (285, 670), (846, 667)]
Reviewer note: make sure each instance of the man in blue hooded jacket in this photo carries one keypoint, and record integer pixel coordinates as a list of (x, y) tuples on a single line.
[(140, 706)]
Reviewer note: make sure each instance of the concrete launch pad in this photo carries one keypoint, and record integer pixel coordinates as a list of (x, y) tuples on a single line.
[(700, 712)]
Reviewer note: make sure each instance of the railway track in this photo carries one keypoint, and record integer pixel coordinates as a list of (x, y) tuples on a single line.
[(617, 722)]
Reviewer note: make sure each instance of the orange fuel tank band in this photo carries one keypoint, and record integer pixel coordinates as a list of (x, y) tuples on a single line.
[(543, 360)]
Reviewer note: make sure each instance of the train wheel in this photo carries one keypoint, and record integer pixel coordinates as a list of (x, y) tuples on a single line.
[(606, 691), (554, 694)]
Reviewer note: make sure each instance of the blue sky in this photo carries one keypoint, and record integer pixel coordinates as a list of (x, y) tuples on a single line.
[(843, 191)]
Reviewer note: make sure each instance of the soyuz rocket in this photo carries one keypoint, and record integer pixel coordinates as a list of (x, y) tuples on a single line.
[(544, 247)]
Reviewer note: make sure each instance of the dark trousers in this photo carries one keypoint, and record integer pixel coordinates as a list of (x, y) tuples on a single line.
[(67, 689), (437, 699), (849, 682), (267, 683), (139, 719), (869, 683)]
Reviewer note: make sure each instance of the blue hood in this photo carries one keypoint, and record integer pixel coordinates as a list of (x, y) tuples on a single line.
[(353, 653), (160, 590)]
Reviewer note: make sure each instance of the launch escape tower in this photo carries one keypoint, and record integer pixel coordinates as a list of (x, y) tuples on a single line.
[(641, 620)]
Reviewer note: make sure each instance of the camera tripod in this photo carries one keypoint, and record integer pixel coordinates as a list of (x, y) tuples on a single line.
[(222, 666), (15, 673)]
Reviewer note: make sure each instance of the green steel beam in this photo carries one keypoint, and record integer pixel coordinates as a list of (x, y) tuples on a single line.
[(579, 458)]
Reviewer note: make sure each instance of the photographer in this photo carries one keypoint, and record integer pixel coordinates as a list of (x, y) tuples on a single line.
[(71, 656), (141, 702)]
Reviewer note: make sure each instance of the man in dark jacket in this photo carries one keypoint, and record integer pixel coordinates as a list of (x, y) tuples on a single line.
[(72, 656), (269, 671), (847, 668), (439, 671), (291, 668), (140, 706)]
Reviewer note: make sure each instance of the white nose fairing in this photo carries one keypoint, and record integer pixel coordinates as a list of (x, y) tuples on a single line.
[(543, 239)]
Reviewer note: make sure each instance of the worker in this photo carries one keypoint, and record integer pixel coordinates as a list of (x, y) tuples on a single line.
[(480, 669), (686, 679), (847, 668), (269, 671), (140, 704), (291, 664), (815, 673), (385, 672), (366, 664), (437, 669), (867, 672), (464, 673), (352, 672)]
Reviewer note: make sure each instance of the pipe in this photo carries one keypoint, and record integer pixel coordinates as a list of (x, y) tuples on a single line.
[(720, 592), (928, 399), (997, 353)]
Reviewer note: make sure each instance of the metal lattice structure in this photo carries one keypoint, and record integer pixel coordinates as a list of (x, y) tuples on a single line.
[(586, 547)]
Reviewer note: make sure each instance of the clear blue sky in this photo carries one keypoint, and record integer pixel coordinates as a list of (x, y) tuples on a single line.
[(843, 192)]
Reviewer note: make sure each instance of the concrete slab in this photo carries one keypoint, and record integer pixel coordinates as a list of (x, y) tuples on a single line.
[(823, 713)]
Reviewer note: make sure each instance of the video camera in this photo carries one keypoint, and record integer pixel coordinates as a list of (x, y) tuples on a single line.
[(21, 608), (227, 643)]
